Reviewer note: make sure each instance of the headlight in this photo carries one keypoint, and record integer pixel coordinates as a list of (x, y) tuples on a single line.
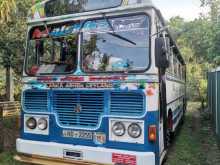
[(31, 123), (134, 130), (118, 129), (42, 124)]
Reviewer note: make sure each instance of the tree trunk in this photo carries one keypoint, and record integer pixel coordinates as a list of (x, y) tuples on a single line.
[(9, 84)]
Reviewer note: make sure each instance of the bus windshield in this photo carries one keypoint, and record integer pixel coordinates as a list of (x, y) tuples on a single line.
[(119, 44), (116, 44)]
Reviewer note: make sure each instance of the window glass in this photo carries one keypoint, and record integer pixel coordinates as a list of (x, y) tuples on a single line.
[(116, 44), (170, 69), (175, 66), (64, 7), (180, 71), (51, 55), (184, 72)]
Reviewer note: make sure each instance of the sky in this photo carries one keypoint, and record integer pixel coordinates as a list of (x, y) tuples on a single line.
[(188, 9)]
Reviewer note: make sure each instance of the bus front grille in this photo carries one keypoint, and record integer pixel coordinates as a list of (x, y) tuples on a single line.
[(84, 109), (78, 109), (127, 104), (35, 101)]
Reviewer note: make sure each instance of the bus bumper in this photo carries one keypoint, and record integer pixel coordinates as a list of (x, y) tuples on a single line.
[(55, 153)]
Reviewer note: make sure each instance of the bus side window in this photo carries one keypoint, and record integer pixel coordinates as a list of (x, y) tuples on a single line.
[(175, 66), (170, 69), (180, 71), (172, 61), (182, 78), (184, 72)]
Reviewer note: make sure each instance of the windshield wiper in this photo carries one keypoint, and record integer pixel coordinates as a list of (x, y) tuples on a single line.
[(113, 33)]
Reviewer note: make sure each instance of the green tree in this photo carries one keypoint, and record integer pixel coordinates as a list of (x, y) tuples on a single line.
[(214, 22), (7, 7), (195, 42), (12, 39)]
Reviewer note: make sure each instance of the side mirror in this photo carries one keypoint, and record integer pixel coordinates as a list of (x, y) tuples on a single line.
[(161, 52)]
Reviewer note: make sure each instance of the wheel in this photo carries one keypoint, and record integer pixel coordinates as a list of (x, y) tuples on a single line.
[(170, 133)]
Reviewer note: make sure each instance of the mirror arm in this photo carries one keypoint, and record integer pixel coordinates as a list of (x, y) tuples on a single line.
[(160, 31)]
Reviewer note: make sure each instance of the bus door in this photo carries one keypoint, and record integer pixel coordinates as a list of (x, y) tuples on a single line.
[(162, 112), (162, 64)]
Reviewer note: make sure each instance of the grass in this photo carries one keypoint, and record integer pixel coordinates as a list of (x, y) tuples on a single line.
[(195, 144), (10, 131), (6, 158)]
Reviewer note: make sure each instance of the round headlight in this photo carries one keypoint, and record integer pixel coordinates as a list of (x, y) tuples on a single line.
[(118, 129), (134, 130), (31, 123), (42, 124)]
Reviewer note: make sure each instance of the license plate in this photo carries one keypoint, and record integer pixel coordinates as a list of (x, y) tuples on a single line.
[(78, 134), (69, 154)]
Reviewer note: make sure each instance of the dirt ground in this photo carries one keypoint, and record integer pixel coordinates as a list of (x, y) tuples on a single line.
[(195, 143)]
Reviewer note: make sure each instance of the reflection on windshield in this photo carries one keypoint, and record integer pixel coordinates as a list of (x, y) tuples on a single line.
[(63, 7), (57, 55), (127, 50), (119, 44)]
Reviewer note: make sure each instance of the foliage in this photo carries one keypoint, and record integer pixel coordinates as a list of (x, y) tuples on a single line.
[(199, 42), (7, 7), (12, 38), (214, 27)]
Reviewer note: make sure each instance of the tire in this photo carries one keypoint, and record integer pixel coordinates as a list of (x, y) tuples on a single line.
[(170, 133), (170, 136)]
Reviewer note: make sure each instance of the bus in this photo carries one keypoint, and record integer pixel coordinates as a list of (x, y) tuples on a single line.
[(104, 83)]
